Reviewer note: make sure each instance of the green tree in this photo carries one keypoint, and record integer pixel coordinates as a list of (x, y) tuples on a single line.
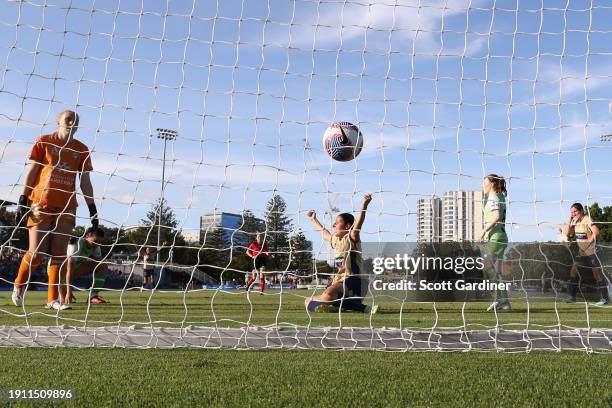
[(167, 221), (603, 220), (214, 256), (187, 254), (147, 234), (250, 225), (215, 247), (116, 240), (301, 253), (278, 226)]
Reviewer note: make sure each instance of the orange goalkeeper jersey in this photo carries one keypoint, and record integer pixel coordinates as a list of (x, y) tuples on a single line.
[(60, 161)]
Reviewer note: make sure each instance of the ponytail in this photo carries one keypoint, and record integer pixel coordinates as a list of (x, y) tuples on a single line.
[(498, 182)]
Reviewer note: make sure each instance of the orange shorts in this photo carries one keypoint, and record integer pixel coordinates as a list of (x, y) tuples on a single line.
[(40, 216)]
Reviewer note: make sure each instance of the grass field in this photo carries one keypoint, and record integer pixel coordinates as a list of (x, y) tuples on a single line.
[(234, 309), (165, 378), (121, 377)]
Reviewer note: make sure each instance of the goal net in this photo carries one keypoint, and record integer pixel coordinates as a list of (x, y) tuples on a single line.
[(204, 123)]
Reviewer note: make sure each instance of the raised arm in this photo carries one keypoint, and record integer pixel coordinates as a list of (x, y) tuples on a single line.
[(318, 226), (355, 231), (568, 229), (157, 249), (163, 245)]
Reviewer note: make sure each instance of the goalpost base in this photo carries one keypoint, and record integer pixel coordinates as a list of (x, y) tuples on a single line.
[(258, 338)]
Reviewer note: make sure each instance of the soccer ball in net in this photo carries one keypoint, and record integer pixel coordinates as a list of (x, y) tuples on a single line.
[(342, 141)]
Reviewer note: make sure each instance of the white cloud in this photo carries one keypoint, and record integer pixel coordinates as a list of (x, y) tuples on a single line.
[(349, 22), (401, 139), (574, 136), (555, 85)]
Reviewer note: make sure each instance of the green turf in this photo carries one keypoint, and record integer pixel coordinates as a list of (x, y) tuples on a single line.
[(332, 379), (234, 309)]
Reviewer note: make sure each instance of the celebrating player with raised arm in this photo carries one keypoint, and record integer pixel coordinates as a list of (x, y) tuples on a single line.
[(494, 235), (48, 202), (585, 231), (346, 291)]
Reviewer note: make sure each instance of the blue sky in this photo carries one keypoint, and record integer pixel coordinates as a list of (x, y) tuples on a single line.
[(443, 91)]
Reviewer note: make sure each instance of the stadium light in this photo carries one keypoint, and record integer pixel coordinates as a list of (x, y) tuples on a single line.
[(606, 138), (165, 134)]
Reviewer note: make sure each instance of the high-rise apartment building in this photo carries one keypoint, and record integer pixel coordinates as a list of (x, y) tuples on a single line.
[(456, 217), (462, 215), (429, 216)]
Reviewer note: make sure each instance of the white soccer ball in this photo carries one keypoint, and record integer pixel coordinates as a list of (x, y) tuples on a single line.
[(342, 141)]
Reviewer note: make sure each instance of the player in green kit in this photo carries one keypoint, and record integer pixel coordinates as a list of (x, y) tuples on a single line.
[(494, 235), (83, 258)]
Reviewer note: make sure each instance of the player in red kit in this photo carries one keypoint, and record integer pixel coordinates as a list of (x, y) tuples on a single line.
[(258, 251)]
